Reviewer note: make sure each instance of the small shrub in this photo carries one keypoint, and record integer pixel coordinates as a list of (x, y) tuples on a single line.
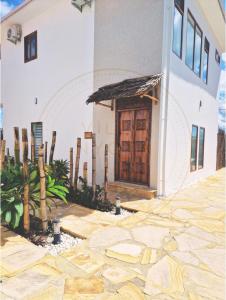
[(84, 197)]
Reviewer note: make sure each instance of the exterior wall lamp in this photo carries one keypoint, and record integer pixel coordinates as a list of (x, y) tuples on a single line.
[(80, 3)]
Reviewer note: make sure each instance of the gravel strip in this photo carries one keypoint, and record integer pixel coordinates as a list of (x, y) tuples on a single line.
[(67, 242), (124, 213)]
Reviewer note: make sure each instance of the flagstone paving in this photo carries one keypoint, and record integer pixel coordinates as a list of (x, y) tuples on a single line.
[(172, 248)]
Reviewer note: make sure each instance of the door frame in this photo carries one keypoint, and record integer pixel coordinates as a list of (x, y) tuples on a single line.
[(127, 104)]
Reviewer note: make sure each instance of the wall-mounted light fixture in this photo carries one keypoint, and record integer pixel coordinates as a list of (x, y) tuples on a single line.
[(36, 100), (79, 4), (200, 104)]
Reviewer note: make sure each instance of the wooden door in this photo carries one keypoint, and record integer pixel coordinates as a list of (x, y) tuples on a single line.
[(133, 146)]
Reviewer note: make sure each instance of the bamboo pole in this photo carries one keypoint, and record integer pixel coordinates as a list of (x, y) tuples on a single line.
[(46, 151), (1, 134), (43, 208), (17, 145), (7, 156), (77, 163), (32, 145), (85, 171), (71, 165), (2, 154), (106, 172), (52, 147), (94, 165), (26, 217)]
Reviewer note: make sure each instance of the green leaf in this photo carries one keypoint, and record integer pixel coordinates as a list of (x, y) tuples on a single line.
[(49, 194), (19, 208), (8, 216), (33, 175), (15, 220), (51, 183), (61, 188), (37, 187)]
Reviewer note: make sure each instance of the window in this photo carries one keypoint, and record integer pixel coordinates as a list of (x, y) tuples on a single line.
[(194, 140), (178, 27), (30, 47), (194, 45), (201, 147), (36, 132), (217, 57), (205, 61)]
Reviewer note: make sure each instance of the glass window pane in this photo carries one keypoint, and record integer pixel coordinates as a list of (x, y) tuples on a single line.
[(205, 67), (190, 44), (201, 147), (33, 46), (197, 56), (194, 137), (177, 32)]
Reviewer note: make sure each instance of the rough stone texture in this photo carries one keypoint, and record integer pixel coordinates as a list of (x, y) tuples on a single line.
[(165, 276), (130, 253), (93, 285), (113, 234), (151, 236), (173, 248)]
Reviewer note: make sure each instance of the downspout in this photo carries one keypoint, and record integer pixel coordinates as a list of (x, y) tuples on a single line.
[(166, 51)]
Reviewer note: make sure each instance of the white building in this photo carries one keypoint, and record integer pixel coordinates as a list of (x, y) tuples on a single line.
[(65, 55)]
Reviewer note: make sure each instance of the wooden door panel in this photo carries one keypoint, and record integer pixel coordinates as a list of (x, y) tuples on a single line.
[(141, 146), (133, 145), (125, 144)]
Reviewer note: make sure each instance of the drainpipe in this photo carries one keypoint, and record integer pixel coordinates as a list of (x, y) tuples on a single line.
[(166, 52)]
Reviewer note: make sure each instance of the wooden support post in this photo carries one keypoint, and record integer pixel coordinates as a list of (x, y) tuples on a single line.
[(71, 166), (52, 147), (1, 134), (85, 171), (43, 208), (46, 151), (94, 165), (78, 153), (2, 154), (17, 145), (106, 172), (26, 217), (32, 145)]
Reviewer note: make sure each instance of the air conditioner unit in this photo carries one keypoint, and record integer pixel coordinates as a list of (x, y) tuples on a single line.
[(14, 33), (80, 3)]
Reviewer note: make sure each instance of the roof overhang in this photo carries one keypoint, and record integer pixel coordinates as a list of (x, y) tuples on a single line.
[(139, 86), (215, 15)]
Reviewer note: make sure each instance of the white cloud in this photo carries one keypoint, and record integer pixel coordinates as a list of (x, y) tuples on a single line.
[(5, 8)]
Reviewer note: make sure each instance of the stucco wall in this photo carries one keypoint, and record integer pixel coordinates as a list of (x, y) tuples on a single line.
[(128, 41), (185, 92), (61, 78)]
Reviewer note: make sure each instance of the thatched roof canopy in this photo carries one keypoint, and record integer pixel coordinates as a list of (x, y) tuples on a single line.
[(127, 88)]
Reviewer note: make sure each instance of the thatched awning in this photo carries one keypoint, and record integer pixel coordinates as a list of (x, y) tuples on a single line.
[(127, 88)]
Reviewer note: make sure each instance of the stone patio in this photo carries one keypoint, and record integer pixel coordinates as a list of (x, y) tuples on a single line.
[(172, 248)]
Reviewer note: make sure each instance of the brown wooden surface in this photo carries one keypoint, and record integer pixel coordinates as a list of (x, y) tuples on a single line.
[(2, 154), (133, 142), (46, 152), (77, 160), (17, 144), (32, 144), (26, 216), (85, 171), (94, 165), (43, 207), (221, 139), (52, 147), (71, 166), (106, 172)]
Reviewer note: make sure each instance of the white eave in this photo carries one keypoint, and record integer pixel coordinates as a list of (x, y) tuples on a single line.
[(27, 10), (215, 15)]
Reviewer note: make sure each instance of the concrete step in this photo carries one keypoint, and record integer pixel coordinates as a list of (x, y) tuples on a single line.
[(133, 190)]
